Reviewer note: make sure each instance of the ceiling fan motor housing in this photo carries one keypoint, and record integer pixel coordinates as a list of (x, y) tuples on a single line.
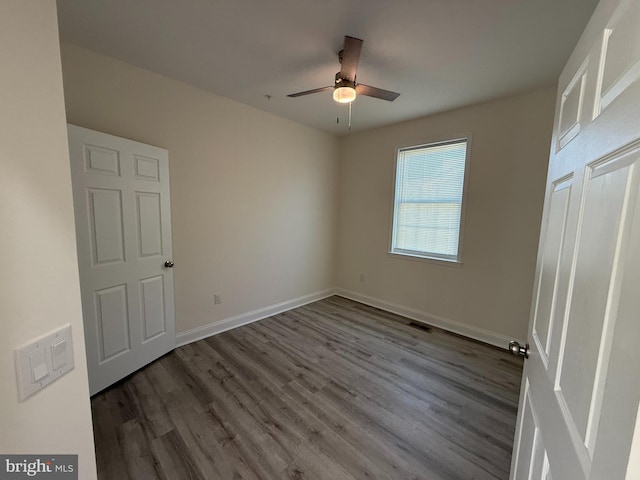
[(344, 81)]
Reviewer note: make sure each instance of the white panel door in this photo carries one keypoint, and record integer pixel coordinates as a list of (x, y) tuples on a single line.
[(581, 386), (123, 226)]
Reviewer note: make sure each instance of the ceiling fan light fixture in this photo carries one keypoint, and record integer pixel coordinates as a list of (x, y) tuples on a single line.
[(344, 94)]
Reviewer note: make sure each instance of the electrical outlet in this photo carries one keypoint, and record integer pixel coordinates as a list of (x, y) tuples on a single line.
[(217, 298)]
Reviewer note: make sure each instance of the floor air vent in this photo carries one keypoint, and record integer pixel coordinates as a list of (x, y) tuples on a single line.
[(420, 326)]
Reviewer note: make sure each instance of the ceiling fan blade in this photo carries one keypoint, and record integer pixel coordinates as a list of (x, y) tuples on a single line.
[(309, 92), (376, 92), (349, 57)]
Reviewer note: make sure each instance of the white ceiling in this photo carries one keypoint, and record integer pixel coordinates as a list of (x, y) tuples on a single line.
[(439, 54)]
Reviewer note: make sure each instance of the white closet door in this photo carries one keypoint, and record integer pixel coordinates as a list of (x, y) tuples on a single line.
[(123, 226)]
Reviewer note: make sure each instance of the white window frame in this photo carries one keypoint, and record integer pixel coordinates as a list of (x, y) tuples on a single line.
[(430, 256)]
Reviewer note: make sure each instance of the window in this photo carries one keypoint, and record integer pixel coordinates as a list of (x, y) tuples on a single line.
[(427, 213)]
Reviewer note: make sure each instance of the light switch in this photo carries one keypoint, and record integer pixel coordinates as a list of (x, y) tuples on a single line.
[(59, 354), (38, 364), (43, 360)]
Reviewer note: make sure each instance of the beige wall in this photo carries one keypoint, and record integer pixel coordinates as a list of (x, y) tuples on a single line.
[(39, 289), (253, 195), (488, 297), (255, 200)]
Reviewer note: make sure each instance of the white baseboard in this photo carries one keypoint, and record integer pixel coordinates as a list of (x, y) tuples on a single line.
[(220, 326), (463, 329), (470, 331)]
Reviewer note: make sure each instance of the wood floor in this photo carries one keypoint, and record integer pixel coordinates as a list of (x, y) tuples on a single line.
[(332, 390)]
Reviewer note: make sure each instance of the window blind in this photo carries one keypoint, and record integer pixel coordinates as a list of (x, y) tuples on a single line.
[(428, 199)]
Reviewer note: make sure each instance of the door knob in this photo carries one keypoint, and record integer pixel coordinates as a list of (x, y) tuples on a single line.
[(516, 349), (168, 264)]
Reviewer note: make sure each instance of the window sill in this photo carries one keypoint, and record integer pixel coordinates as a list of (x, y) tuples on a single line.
[(420, 258)]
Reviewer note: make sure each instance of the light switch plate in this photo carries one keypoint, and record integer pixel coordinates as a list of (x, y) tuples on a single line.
[(43, 360)]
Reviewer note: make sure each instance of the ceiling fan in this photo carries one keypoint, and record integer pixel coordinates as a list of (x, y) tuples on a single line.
[(345, 88)]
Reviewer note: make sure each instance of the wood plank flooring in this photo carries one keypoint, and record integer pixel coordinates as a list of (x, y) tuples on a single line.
[(333, 390)]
